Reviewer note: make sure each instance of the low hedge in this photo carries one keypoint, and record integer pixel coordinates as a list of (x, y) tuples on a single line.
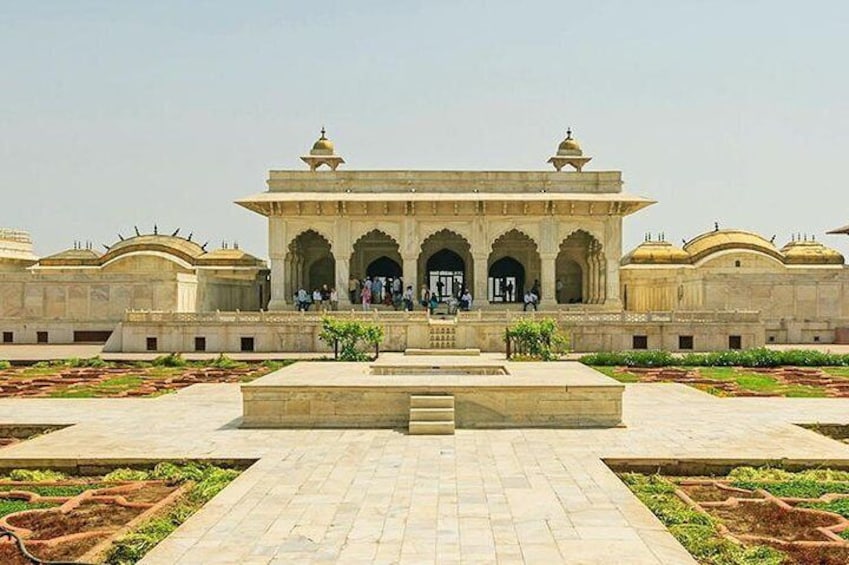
[(759, 357)]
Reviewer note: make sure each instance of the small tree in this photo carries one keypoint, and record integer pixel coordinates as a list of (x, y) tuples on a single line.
[(348, 334), (537, 339)]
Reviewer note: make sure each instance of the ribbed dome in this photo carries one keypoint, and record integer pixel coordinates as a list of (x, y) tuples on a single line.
[(656, 253), (720, 240), (810, 253)]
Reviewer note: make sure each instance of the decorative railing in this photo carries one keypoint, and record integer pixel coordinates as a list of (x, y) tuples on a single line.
[(273, 317), (421, 316)]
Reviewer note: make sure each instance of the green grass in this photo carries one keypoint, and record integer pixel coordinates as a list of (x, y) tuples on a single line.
[(839, 506), (53, 490), (797, 488), (696, 531), (837, 371), (622, 377), (11, 506), (111, 386), (746, 380)]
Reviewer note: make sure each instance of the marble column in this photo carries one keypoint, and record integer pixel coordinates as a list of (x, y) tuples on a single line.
[(277, 255), (410, 274), (342, 276), (479, 294), (548, 300)]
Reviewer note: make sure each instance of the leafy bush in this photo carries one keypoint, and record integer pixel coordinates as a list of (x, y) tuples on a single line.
[(125, 474), (95, 362), (4, 365), (537, 339), (170, 360), (348, 334), (224, 362), (758, 357), (648, 358), (35, 476)]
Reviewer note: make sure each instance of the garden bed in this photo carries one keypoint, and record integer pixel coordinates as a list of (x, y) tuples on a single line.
[(95, 378), (114, 518), (753, 516), (742, 381)]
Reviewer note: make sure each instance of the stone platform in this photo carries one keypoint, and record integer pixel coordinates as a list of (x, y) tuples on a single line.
[(487, 393)]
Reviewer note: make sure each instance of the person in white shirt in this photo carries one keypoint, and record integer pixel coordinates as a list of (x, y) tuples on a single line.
[(530, 300)]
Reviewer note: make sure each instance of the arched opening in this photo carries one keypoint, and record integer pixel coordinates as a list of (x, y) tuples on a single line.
[(377, 256), (309, 263), (445, 273), (506, 280), (444, 262), (568, 286), (580, 270), (383, 267), (514, 265)]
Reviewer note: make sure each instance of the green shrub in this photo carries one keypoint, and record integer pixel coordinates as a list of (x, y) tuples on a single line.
[(537, 339), (648, 358), (125, 474), (95, 362), (349, 334), (170, 360), (35, 475), (224, 362), (757, 357), (4, 365)]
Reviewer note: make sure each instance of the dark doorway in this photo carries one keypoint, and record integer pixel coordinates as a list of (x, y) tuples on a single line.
[(506, 281), (383, 267), (446, 274), (91, 336)]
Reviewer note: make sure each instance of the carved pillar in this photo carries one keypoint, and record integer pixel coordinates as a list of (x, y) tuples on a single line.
[(410, 274), (277, 243), (547, 276), (613, 254), (342, 276), (479, 294)]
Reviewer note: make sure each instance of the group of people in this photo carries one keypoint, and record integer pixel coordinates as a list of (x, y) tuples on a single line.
[(459, 299), (323, 298), (388, 291)]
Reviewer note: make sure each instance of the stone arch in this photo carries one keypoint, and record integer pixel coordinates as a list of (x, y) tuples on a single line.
[(580, 270), (451, 251), (513, 265), (371, 246), (309, 263)]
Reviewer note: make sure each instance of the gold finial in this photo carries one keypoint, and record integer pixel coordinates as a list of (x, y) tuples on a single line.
[(569, 132), (323, 131)]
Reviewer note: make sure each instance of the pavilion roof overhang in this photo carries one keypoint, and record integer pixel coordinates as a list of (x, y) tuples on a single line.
[(618, 203), (843, 230)]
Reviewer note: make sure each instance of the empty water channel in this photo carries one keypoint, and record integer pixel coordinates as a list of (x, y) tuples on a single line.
[(447, 370)]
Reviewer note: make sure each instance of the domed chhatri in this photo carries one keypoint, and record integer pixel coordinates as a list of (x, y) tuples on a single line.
[(810, 252), (660, 252), (569, 153), (322, 153)]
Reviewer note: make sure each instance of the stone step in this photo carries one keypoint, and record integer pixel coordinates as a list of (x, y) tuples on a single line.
[(431, 415), (453, 351), (431, 401), (432, 428)]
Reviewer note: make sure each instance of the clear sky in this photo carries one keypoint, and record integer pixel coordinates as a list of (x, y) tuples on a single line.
[(116, 114)]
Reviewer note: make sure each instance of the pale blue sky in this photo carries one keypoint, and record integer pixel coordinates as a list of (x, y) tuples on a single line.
[(117, 113)]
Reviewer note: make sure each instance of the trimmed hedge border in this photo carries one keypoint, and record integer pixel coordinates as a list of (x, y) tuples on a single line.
[(760, 357)]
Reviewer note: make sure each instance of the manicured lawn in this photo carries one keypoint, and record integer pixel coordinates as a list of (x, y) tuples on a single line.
[(743, 379)]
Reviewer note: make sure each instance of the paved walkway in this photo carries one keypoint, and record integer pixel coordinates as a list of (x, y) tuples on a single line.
[(380, 496)]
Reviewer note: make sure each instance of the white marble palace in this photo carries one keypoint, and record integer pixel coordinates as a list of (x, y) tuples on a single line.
[(495, 233), (484, 230)]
